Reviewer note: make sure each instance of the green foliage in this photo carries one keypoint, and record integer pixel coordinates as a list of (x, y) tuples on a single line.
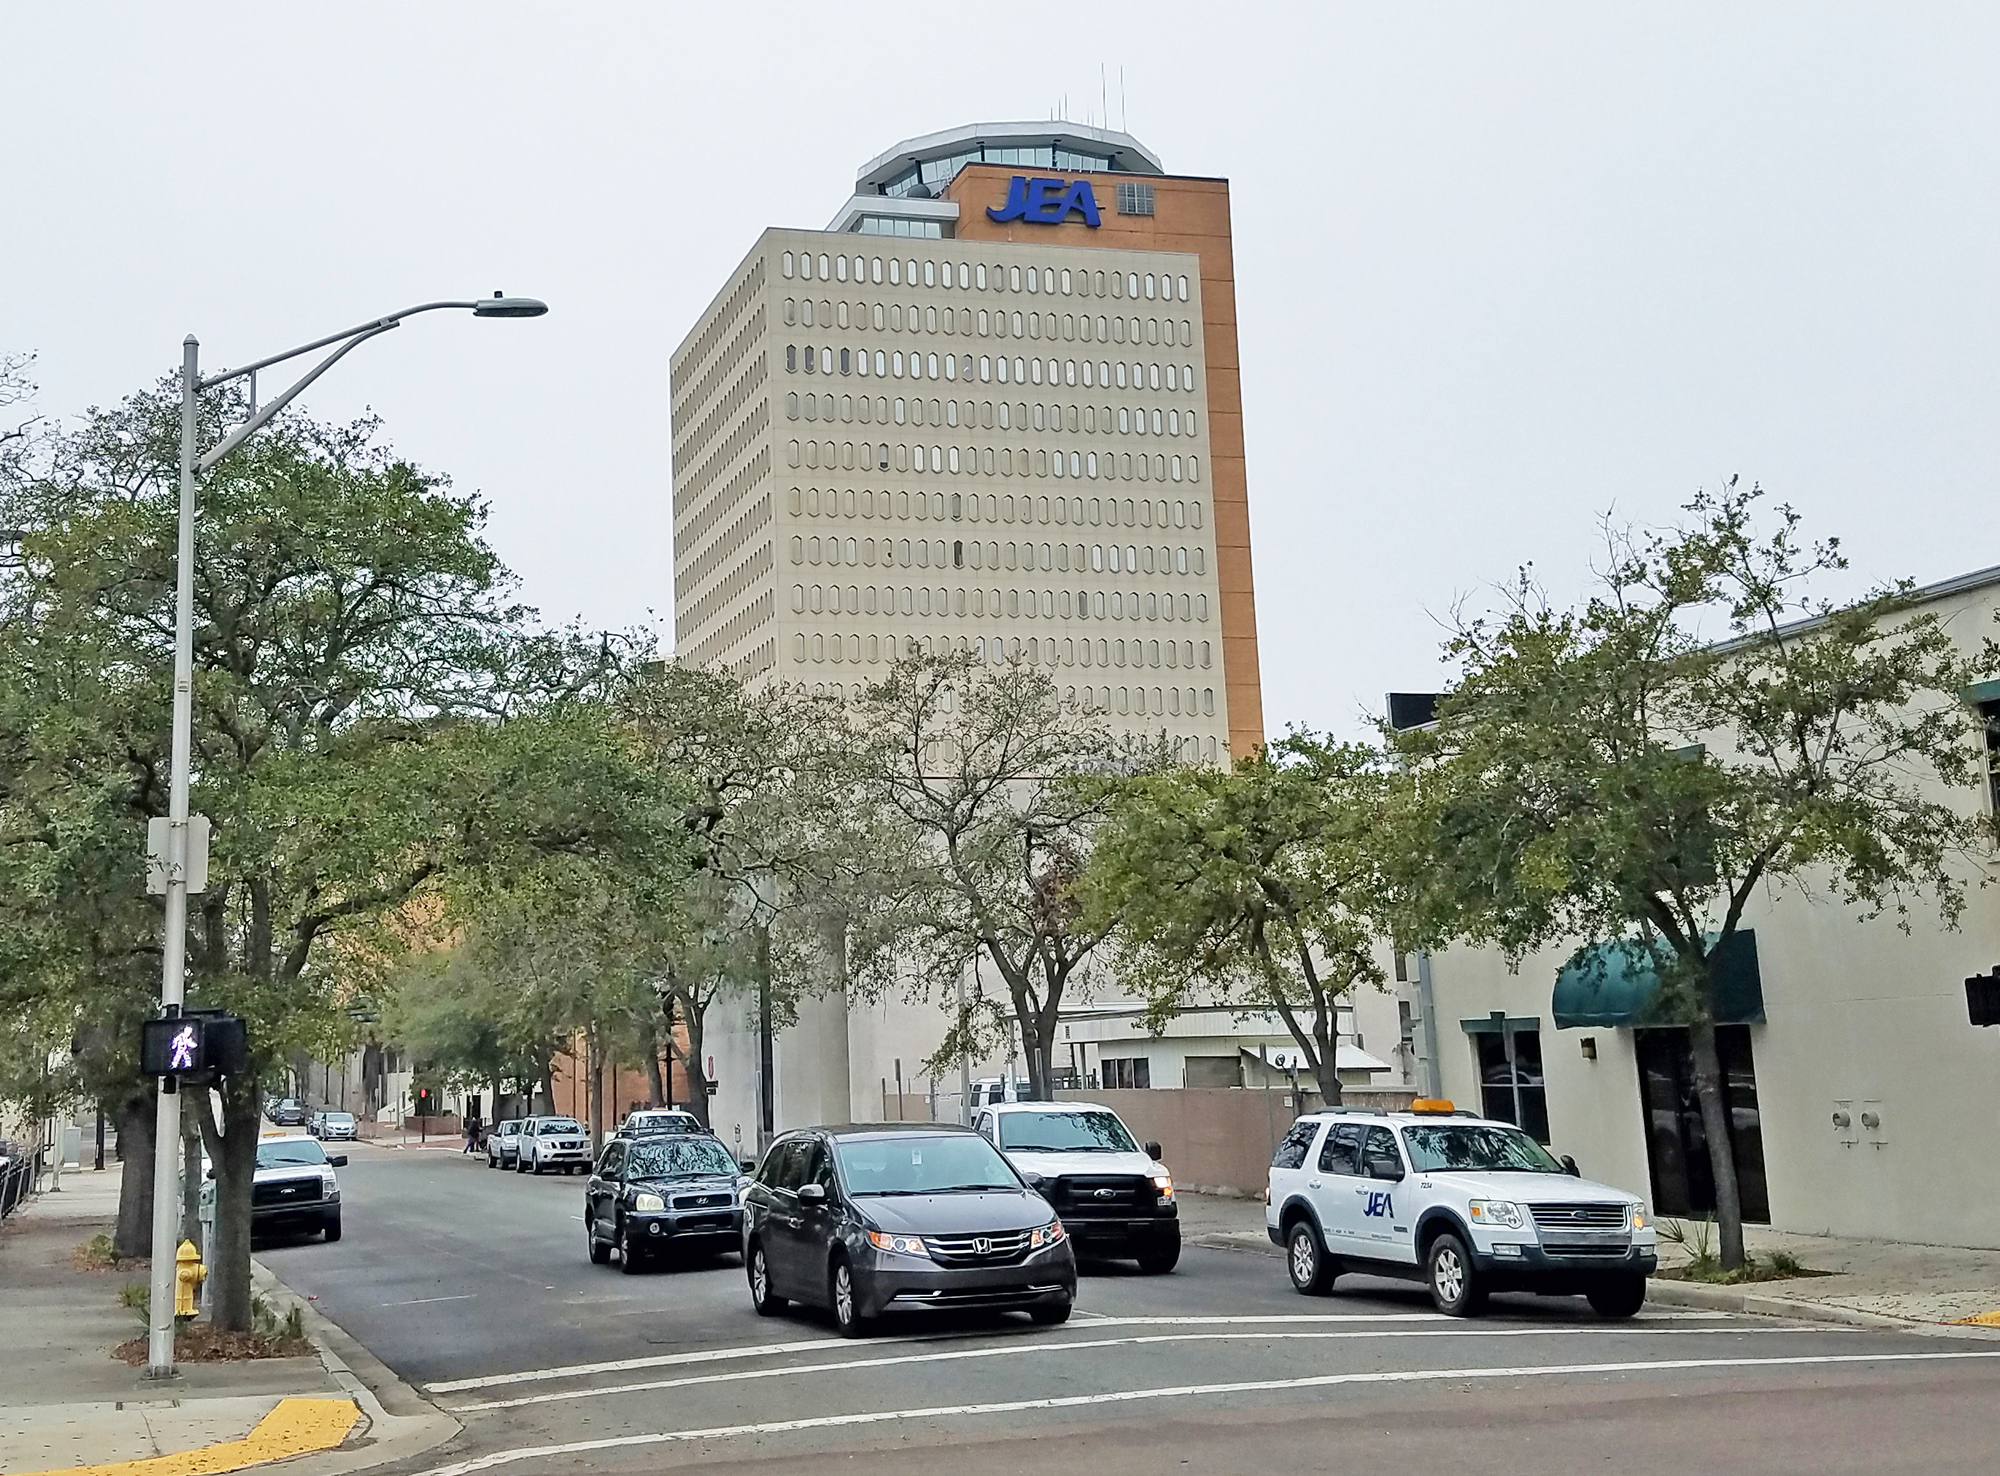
[(1617, 773), (986, 791), (1257, 887)]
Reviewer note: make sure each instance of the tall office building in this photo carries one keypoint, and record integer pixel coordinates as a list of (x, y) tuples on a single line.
[(995, 405)]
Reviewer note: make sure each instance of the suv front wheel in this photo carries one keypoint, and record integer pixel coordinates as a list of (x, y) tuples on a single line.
[(1454, 1284), (1618, 1296), (1312, 1269)]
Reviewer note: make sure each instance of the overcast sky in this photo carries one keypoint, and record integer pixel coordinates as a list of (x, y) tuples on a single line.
[(1499, 267)]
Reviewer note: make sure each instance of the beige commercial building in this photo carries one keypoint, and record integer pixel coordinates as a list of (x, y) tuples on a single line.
[(994, 407), (1864, 1100)]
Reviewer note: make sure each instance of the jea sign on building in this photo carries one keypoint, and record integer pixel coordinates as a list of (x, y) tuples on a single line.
[(1046, 201)]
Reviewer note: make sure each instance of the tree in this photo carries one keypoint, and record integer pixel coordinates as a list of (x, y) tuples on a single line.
[(768, 774), (980, 777), (1608, 774), (1257, 887), (355, 657)]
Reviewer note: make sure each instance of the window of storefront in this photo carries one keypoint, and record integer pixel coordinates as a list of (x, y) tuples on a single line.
[(1677, 1142), (1134, 1071), (1510, 1075)]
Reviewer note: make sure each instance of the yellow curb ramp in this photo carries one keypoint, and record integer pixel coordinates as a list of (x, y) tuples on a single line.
[(295, 1427), (1982, 1319)]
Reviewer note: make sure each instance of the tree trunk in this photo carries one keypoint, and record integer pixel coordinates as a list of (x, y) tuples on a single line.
[(547, 1088), (767, 1086), (190, 1175), (1709, 1089), (235, 1156), (135, 1114), (1326, 1036), (656, 1088), (596, 1088), (692, 1060)]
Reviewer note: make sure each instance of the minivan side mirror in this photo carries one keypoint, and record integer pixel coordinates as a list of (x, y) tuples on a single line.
[(812, 1194), (338, 1160), (1570, 1168), (1152, 1150)]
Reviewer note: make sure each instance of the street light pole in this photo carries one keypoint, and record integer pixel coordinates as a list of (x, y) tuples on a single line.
[(173, 952)]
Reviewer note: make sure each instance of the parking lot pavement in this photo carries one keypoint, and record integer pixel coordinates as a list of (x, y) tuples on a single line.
[(475, 1286)]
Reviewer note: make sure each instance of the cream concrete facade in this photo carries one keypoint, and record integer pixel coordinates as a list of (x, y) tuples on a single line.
[(1021, 474), (1860, 1018)]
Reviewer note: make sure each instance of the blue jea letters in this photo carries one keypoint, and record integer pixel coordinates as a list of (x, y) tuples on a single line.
[(1379, 1204), (1046, 201)]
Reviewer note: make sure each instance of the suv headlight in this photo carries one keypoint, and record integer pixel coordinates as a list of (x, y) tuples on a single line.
[(1049, 1234), (1498, 1214), (650, 1204), (909, 1245)]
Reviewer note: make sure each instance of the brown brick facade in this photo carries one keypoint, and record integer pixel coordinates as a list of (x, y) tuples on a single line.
[(1190, 215)]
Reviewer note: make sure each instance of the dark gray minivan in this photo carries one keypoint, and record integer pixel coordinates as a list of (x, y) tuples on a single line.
[(901, 1217)]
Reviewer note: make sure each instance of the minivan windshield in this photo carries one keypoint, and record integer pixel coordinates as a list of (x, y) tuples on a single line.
[(1477, 1147), (339, 1117), (677, 1157), (1064, 1132), (289, 1153), (930, 1163)]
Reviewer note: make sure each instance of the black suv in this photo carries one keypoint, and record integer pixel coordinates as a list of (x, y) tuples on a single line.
[(663, 1190), (901, 1216)]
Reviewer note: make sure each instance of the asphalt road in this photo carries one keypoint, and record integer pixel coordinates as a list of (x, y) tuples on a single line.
[(474, 1286)]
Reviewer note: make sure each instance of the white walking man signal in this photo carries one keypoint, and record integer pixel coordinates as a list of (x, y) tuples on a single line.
[(181, 1050)]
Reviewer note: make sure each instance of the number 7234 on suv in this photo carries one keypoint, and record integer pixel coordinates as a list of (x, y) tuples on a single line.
[(1465, 1205)]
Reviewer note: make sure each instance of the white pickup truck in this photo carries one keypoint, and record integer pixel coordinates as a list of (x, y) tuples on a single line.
[(1114, 1198), (1466, 1205)]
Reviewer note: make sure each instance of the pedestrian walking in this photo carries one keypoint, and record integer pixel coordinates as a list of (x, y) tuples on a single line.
[(471, 1135)]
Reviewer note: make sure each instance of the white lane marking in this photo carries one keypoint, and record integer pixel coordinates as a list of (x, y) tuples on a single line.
[(1185, 1391), (424, 1301), (746, 1375), (774, 1350)]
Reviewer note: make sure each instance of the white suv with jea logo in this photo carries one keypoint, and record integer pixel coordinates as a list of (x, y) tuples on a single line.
[(1466, 1205)]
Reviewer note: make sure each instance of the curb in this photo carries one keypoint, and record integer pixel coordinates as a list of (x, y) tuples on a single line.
[(1755, 1304), (295, 1428), (1712, 1299), (401, 1422)]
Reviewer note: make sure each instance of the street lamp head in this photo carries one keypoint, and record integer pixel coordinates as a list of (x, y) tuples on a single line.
[(499, 305)]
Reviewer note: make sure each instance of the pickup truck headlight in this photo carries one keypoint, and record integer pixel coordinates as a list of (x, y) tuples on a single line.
[(1163, 1187), (329, 1186), (1636, 1219), (650, 1204), (1497, 1214), (909, 1245)]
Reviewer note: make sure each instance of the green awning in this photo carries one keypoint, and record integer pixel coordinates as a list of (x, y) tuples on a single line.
[(1613, 984)]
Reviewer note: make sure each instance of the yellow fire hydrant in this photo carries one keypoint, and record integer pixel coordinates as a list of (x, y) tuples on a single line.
[(189, 1273)]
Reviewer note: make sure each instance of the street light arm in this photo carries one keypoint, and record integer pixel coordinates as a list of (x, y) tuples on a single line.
[(211, 381), (256, 422)]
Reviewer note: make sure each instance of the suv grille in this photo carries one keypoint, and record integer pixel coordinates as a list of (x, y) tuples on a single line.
[(1101, 1196), (1578, 1216), (701, 1201), (1002, 1248), (285, 1192)]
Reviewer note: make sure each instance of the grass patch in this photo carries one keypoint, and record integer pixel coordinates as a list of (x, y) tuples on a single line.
[(1696, 1238), (98, 1254), (273, 1334)]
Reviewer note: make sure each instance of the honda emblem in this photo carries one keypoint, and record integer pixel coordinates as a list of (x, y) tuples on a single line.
[(981, 1246)]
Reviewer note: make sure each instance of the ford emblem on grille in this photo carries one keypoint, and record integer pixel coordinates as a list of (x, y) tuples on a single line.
[(981, 1246), (1580, 1216), (1104, 1194)]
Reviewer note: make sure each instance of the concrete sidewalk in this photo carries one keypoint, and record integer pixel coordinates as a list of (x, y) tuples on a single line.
[(1873, 1281), (67, 1405)]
